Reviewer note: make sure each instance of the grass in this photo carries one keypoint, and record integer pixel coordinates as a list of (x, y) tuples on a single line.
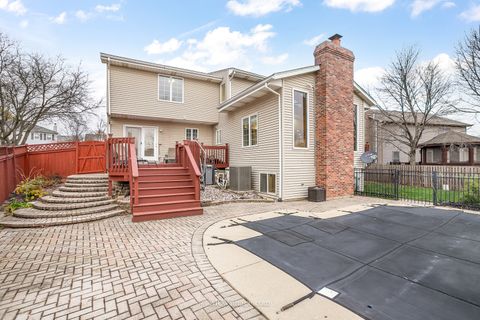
[(387, 190)]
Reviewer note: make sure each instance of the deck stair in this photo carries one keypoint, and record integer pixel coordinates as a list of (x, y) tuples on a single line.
[(82, 198), (165, 192)]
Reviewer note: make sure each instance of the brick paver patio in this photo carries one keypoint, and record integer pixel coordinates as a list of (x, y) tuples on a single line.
[(116, 269)]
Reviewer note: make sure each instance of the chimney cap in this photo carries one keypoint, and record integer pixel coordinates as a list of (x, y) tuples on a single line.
[(336, 36)]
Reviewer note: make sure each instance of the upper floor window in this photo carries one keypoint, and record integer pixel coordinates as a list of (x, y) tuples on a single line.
[(223, 92), (300, 119), (396, 156), (191, 134), (250, 130), (170, 89), (355, 127)]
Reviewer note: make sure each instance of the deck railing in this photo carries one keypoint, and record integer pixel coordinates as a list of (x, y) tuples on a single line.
[(217, 156), (187, 159), (122, 165)]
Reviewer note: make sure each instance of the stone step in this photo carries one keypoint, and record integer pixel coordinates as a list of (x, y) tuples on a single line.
[(33, 213), (71, 205), (14, 222), (86, 182), (83, 189), (87, 185), (88, 177), (62, 194), (50, 199)]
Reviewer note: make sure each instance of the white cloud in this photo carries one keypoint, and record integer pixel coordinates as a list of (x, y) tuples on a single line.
[(472, 14), (82, 15), (369, 78), (60, 19), (156, 47), (445, 63), (24, 24), (111, 8), (276, 59), (15, 7), (360, 5), (419, 6), (314, 40), (259, 8), (223, 47)]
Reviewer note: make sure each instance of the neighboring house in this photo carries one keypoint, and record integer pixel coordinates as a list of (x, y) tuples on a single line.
[(381, 134), (40, 135), (451, 148), (296, 128)]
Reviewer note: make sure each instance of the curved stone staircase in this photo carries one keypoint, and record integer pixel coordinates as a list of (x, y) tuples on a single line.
[(82, 198)]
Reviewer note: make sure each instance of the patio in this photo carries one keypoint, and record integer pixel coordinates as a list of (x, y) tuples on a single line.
[(117, 269)]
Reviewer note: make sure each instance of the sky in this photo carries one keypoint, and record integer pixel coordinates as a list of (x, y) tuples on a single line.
[(263, 36)]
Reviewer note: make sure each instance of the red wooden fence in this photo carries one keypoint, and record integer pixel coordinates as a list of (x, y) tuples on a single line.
[(62, 158)]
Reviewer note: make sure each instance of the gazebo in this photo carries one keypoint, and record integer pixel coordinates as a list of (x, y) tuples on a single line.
[(451, 148)]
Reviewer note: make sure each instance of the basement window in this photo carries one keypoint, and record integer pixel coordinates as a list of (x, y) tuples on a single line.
[(268, 183)]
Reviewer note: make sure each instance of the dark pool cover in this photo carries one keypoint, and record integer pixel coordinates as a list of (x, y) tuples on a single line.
[(385, 263)]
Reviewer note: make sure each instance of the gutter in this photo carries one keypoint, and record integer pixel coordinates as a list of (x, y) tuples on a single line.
[(280, 141), (264, 85), (108, 97)]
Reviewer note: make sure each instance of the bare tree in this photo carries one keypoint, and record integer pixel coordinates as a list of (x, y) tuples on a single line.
[(35, 88), (468, 69), (411, 94), (76, 128)]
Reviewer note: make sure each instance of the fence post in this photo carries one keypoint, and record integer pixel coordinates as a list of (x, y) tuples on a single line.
[(396, 182), (434, 187)]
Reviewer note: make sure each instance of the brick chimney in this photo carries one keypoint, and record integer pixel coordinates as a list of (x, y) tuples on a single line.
[(334, 118)]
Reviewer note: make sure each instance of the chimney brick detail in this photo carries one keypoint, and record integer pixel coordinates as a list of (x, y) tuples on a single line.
[(334, 119)]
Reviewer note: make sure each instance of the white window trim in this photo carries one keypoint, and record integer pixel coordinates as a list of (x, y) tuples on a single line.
[(249, 131), (260, 181), (198, 133), (293, 118), (218, 141), (170, 77)]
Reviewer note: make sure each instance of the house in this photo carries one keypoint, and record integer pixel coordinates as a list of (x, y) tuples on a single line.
[(451, 148), (40, 135), (382, 133), (295, 128)]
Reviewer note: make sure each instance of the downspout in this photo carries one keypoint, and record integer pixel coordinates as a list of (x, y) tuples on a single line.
[(280, 142), (108, 97), (230, 77)]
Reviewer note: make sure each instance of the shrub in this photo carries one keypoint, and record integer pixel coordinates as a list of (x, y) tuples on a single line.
[(15, 204), (472, 190)]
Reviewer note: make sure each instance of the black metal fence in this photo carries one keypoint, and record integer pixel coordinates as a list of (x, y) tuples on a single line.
[(438, 187)]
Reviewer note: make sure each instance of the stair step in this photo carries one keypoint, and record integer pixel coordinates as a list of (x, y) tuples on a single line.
[(62, 194), (86, 182), (51, 206), (83, 189), (14, 222), (165, 205), (50, 199), (166, 183), (33, 213), (86, 185), (165, 190), (163, 176), (165, 214), (171, 170), (87, 177), (156, 198)]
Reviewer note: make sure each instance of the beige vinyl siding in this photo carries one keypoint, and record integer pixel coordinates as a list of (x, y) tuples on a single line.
[(357, 163), (168, 132), (135, 93), (299, 164), (263, 158), (238, 85)]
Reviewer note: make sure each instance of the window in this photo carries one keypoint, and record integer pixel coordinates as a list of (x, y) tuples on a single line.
[(300, 119), (434, 155), (250, 131), (458, 155), (223, 92), (218, 136), (268, 183), (476, 154), (355, 128), (170, 89), (37, 135), (396, 156), (191, 134)]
